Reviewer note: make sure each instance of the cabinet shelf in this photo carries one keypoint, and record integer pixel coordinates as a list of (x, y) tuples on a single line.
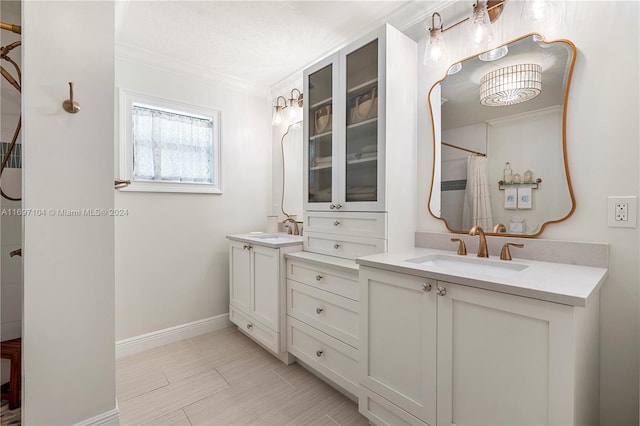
[(321, 136), (362, 161), (321, 167), (368, 122), (362, 86), (320, 103)]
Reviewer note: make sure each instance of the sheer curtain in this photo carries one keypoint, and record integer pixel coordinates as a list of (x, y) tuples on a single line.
[(172, 147), (476, 209)]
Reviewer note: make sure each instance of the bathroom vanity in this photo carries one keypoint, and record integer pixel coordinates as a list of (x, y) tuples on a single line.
[(477, 341), (257, 298)]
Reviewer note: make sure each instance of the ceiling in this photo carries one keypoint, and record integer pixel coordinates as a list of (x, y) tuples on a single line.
[(259, 42)]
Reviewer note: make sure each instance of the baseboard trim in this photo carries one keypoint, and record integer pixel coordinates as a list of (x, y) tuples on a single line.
[(144, 342), (109, 418)]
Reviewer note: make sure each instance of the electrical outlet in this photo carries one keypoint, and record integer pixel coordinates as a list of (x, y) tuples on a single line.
[(622, 211)]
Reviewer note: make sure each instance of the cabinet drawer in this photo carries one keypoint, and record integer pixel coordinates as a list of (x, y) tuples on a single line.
[(373, 225), (325, 278), (255, 329), (344, 246), (335, 315), (382, 412), (330, 357)]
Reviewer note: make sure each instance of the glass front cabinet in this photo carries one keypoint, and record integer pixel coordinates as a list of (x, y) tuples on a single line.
[(352, 113)]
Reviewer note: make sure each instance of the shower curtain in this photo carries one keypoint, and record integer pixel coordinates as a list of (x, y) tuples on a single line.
[(476, 209)]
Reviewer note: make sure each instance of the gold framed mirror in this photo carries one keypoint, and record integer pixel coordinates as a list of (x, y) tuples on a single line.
[(506, 105)]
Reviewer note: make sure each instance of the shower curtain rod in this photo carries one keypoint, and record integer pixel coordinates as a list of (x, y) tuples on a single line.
[(14, 28), (481, 154)]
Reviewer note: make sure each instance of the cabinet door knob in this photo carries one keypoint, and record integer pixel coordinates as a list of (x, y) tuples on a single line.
[(319, 311), (336, 246), (319, 277), (249, 326), (426, 287), (332, 206), (244, 247), (442, 291), (338, 206), (319, 353), (336, 223)]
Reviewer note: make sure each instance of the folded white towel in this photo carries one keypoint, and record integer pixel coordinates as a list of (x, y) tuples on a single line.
[(524, 198), (510, 198)]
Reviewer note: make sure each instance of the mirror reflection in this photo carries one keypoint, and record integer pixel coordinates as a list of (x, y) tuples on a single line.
[(499, 154), (292, 160)]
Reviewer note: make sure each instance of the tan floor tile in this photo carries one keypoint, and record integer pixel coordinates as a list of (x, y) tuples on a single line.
[(247, 365), (249, 396), (135, 381), (347, 414), (170, 398), (174, 418)]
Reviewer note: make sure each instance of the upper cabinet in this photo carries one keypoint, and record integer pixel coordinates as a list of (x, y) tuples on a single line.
[(361, 102)]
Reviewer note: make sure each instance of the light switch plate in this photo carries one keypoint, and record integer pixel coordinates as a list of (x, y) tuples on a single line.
[(622, 211)]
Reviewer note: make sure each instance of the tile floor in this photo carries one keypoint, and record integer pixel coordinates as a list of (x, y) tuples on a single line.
[(224, 378)]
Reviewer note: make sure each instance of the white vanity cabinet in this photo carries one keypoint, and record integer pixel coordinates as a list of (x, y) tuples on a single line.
[(439, 353), (323, 318), (257, 292)]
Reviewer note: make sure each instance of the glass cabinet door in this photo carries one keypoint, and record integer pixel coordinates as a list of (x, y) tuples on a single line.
[(320, 135), (361, 136)]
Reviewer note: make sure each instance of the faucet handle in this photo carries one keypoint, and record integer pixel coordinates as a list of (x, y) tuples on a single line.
[(499, 228), (462, 248), (505, 254)]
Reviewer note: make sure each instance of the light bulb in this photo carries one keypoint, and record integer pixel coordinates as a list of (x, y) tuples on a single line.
[(277, 116), (480, 25), (435, 49)]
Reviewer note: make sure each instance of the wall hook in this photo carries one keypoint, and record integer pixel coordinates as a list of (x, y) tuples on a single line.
[(70, 105)]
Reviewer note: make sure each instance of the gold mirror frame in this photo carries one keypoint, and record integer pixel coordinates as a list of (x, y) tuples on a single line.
[(564, 140)]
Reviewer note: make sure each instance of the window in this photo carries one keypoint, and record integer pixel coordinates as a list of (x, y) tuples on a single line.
[(167, 146)]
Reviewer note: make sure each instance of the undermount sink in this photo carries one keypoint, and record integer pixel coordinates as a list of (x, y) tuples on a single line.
[(277, 238), (463, 264)]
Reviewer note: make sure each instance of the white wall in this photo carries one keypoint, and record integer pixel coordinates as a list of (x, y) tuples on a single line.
[(602, 143), (537, 148), (11, 226), (171, 251), (68, 330)]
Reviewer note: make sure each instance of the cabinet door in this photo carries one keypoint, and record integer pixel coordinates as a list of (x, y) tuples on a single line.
[(361, 169), (503, 359), (240, 275), (321, 134), (265, 277), (398, 340)]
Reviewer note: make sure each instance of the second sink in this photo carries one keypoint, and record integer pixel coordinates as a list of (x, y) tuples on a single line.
[(460, 264)]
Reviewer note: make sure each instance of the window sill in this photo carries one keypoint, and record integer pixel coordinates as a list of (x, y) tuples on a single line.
[(189, 188)]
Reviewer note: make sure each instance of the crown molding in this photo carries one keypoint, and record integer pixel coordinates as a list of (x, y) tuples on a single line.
[(161, 62)]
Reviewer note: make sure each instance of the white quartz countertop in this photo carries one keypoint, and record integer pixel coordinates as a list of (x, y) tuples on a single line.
[(268, 240), (553, 282)]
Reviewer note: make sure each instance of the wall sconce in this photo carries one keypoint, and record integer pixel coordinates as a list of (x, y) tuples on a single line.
[(480, 31), (293, 106), (435, 50)]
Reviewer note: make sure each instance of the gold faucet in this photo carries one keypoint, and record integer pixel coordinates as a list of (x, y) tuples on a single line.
[(296, 230), (482, 248)]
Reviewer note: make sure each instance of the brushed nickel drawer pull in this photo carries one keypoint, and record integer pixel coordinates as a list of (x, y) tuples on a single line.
[(319, 353), (426, 287), (319, 277), (249, 326), (442, 291), (319, 311), (336, 223), (336, 246)]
